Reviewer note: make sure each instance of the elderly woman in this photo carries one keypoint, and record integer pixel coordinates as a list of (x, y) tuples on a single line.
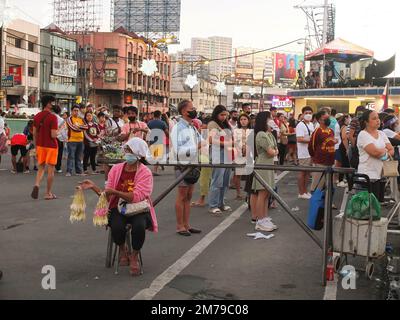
[(131, 181)]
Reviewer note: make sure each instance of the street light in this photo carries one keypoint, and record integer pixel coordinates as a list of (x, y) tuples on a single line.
[(220, 85), (6, 15), (191, 82), (149, 65)]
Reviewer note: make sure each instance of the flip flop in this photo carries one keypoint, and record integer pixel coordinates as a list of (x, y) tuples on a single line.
[(35, 192), (196, 205), (53, 197)]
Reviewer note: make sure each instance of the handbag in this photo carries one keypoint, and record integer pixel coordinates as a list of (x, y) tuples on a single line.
[(391, 168), (193, 176), (132, 209)]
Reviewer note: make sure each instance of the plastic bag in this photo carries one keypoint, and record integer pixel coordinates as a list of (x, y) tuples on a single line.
[(358, 207), (78, 206)]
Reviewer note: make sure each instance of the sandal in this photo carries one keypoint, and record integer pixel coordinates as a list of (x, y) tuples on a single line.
[(215, 211), (35, 192), (197, 205), (51, 197)]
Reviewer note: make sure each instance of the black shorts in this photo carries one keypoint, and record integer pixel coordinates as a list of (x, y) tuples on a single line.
[(14, 150)]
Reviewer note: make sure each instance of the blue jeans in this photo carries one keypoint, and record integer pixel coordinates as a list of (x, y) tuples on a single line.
[(75, 153), (219, 186)]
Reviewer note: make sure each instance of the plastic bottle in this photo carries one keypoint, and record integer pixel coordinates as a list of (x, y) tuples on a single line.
[(330, 272)]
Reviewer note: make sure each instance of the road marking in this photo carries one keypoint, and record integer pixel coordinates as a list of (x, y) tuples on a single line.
[(168, 275), (331, 287)]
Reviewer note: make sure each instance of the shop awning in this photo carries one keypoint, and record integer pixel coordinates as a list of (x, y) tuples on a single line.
[(340, 50)]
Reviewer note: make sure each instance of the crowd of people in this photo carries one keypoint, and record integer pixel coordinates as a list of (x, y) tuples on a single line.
[(320, 139)]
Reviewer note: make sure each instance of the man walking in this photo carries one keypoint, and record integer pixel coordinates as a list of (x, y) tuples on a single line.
[(76, 127), (304, 131), (45, 129), (158, 136), (186, 141)]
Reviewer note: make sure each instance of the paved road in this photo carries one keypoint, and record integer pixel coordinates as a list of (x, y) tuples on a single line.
[(221, 263)]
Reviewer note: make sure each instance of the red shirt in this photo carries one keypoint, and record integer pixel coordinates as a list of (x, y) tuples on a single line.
[(43, 131), (19, 139), (324, 147), (126, 184)]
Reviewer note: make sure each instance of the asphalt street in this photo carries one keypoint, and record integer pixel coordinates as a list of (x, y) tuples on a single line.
[(221, 263)]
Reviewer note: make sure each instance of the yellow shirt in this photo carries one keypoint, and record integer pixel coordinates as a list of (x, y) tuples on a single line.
[(74, 136)]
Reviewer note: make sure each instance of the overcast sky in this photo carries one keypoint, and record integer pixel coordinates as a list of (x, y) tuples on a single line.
[(266, 23)]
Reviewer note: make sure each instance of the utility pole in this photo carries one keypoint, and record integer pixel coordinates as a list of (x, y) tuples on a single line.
[(262, 93), (324, 39), (1, 66)]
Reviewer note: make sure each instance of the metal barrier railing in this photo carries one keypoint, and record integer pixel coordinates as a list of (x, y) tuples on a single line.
[(327, 243)]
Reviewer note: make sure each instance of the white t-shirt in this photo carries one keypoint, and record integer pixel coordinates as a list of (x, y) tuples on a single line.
[(389, 133), (63, 133), (1, 125), (303, 132), (112, 127), (369, 165), (337, 136)]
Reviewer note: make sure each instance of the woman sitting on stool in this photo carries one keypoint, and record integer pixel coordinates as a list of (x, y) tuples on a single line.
[(131, 181)]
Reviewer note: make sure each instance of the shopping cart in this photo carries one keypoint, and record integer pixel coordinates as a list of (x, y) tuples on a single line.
[(359, 238)]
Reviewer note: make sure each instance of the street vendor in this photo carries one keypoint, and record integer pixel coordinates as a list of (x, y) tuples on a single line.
[(134, 128), (131, 181)]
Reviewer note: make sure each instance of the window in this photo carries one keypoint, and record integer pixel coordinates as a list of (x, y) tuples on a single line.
[(110, 75), (130, 58), (140, 80), (134, 79), (18, 43), (129, 77), (31, 72), (111, 55), (31, 46), (134, 60)]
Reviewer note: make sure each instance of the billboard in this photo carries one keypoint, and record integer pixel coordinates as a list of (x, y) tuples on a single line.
[(244, 71), (16, 71), (65, 67), (7, 81), (287, 66)]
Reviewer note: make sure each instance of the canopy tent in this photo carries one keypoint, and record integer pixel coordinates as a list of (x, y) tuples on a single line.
[(340, 50)]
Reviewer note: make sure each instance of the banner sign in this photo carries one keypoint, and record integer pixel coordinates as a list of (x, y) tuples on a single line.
[(65, 67)]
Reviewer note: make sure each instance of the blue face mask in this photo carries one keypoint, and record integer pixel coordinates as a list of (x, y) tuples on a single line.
[(131, 158)]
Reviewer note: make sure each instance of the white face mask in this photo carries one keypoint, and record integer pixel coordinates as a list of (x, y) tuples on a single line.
[(308, 117)]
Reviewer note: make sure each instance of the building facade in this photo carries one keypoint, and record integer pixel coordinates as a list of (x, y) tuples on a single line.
[(21, 61), (205, 96), (255, 63), (215, 48), (109, 71), (59, 66)]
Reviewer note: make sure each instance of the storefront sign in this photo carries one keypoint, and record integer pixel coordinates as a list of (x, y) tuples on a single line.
[(65, 67), (282, 104), (7, 81), (16, 71)]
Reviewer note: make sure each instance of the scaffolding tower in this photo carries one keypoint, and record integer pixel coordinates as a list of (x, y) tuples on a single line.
[(315, 24), (78, 16), (152, 19)]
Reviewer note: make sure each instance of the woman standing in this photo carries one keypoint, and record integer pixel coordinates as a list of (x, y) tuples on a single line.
[(220, 135), (241, 135), (131, 181), (292, 142), (342, 159), (373, 145), (266, 149), (91, 138), (284, 129)]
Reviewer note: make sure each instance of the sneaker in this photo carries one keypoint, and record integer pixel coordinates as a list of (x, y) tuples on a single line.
[(59, 171), (215, 211), (271, 222), (13, 171), (226, 208), (265, 225), (305, 196), (253, 221), (342, 184), (26, 171), (68, 174)]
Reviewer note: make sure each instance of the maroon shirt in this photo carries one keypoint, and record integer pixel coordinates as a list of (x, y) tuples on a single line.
[(125, 184), (324, 147), (44, 122)]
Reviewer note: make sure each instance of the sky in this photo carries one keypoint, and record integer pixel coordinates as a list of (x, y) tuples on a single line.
[(265, 23)]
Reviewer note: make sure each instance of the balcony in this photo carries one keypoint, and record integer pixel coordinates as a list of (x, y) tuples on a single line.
[(33, 82), (63, 88)]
